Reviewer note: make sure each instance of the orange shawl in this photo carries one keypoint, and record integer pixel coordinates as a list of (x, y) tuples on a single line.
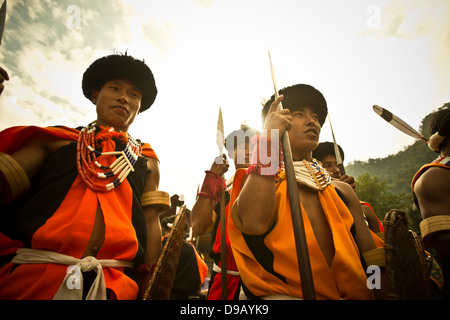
[(69, 229), (346, 279)]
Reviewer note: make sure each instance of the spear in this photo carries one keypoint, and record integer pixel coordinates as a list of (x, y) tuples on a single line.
[(340, 162), (223, 249), (296, 211)]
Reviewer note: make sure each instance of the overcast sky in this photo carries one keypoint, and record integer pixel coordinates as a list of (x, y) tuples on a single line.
[(211, 54)]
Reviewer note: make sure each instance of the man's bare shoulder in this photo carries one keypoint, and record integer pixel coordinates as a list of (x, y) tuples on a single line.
[(344, 187), (433, 183)]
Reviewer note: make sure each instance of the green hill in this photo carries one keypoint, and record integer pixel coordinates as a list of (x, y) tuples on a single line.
[(397, 170), (386, 182)]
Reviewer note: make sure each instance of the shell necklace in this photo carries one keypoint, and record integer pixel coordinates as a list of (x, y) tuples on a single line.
[(311, 174), (103, 178)]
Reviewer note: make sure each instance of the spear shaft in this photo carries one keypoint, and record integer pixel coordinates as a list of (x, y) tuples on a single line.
[(223, 245), (296, 211), (337, 153)]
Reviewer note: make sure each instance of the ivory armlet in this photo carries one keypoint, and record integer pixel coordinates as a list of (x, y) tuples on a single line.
[(158, 199), (17, 182), (375, 257), (433, 225)]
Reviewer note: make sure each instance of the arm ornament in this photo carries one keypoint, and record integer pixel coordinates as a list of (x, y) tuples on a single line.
[(17, 182), (266, 157), (212, 186), (375, 257), (156, 198), (431, 226)]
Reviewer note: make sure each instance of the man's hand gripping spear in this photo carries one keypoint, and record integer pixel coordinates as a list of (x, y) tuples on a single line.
[(294, 199)]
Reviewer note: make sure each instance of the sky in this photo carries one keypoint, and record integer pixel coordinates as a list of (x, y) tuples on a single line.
[(208, 55)]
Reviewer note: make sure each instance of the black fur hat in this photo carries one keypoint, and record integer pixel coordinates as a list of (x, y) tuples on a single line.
[(300, 95), (120, 66), (325, 149)]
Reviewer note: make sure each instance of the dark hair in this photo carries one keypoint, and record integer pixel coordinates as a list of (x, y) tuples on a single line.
[(324, 149), (121, 66), (441, 121), (300, 95)]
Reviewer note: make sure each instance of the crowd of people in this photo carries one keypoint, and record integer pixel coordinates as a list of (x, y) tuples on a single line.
[(84, 203)]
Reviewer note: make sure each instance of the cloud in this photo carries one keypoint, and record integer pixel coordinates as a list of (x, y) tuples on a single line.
[(207, 54), (42, 53)]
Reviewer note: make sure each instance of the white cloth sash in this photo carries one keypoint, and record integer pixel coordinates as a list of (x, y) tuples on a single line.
[(70, 289), (217, 269)]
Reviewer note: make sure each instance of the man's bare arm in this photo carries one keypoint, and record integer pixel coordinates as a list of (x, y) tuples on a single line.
[(256, 202), (431, 190), (202, 211), (31, 156), (154, 246)]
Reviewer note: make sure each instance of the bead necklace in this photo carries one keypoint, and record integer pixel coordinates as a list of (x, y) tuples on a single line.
[(443, 160), (116, 172), (311, 174)]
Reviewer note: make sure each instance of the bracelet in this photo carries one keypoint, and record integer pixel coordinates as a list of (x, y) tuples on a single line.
[(375, 257), (266, 157), (159, 199), (17, 181), (433, 225), (212, 187)]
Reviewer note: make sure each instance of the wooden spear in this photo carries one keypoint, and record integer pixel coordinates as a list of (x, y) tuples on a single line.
[(223, 244), (296, 211), (337, 153)]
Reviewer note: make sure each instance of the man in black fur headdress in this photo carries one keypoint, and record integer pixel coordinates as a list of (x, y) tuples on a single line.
[(72, 196), (325, 153)]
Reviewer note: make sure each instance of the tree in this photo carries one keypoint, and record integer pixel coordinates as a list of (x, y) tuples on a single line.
[(376, 193)]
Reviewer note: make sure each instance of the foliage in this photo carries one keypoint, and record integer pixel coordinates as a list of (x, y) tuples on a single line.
[(376, 192), (397, 170)]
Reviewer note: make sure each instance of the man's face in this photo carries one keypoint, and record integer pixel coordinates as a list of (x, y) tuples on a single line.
[(118, 102), (305, 131), (329, 163), (242, 156)]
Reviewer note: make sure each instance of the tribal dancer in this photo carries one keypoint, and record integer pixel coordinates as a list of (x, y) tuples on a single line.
[(80, 206), (325, 154), (430, 187), (205, 212), (261, 230)]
